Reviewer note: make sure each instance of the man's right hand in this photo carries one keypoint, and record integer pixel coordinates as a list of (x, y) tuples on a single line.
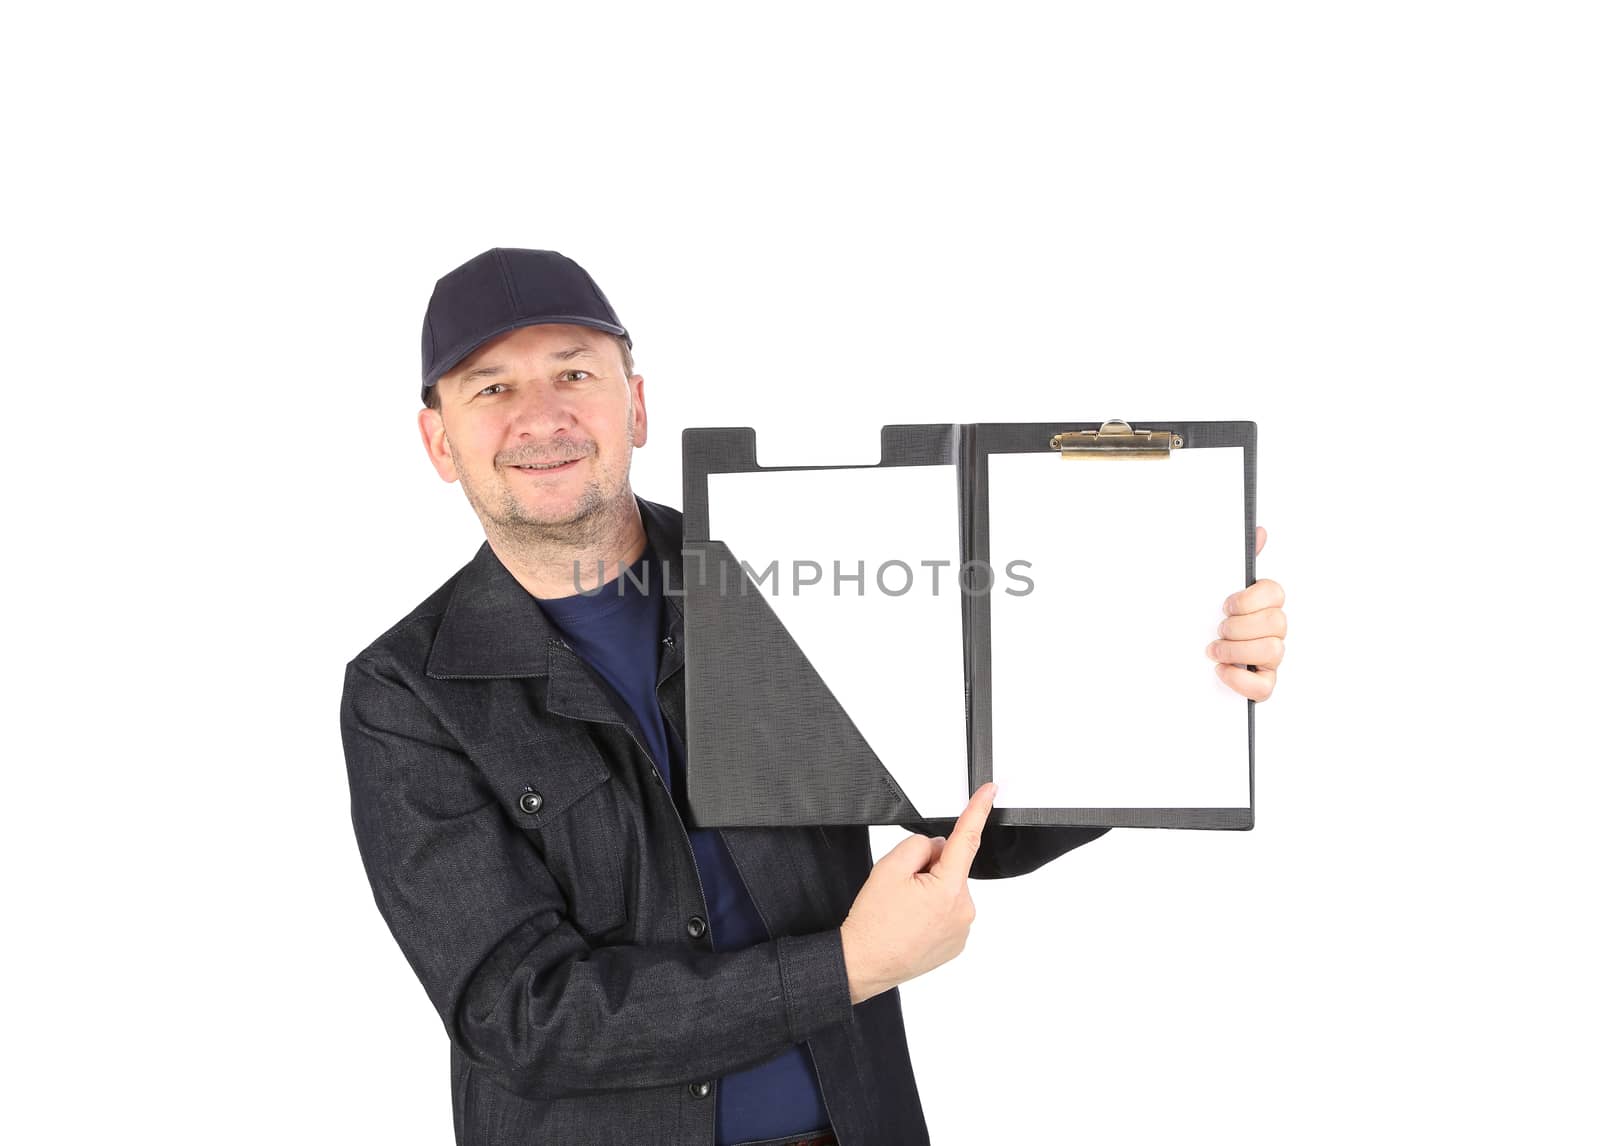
[(914, 911)]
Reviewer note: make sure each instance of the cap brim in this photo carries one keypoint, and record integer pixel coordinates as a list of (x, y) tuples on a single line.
[(457, 353)]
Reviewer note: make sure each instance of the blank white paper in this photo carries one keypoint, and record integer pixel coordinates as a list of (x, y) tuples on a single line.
[(1103, 695), (892, 659)]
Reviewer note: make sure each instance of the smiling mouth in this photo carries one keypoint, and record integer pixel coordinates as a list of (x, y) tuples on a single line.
[(547, 467)]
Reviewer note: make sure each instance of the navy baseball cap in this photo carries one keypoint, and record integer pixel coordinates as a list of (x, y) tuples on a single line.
[(500, 290)]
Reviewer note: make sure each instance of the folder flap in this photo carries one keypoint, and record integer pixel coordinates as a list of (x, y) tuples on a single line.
[(769, 742)]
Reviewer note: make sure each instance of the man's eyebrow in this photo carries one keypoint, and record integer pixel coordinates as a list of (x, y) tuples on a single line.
[(577, 351), (572, 352), (481, 372)]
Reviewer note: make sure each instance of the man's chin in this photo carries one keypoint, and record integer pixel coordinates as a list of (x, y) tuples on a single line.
[(551, 512)]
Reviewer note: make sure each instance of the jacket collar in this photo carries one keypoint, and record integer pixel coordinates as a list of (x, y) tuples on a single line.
[(493, 627)]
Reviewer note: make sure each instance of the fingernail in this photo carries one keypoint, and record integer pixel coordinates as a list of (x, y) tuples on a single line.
[(1211, 649)]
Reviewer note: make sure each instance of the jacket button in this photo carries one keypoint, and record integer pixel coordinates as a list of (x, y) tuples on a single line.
[(669, 642), (697, 927), (530, 802), (699, 1089)]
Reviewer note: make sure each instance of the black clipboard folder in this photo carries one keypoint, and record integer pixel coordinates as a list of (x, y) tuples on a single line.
[(770, 744)]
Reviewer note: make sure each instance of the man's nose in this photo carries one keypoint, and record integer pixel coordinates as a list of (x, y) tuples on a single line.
[(541, 410)]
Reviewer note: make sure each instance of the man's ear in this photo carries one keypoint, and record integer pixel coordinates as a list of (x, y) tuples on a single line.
[(431, 423), (641, 424)]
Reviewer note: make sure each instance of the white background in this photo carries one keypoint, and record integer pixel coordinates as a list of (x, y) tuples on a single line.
[(1370, 228)]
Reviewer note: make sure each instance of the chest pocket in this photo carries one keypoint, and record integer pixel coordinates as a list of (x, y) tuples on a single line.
[(560, 795)]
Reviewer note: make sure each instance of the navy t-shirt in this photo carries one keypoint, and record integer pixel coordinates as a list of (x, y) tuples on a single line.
[(619, 634)]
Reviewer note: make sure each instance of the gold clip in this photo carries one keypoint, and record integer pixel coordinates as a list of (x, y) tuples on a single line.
[(1116, 439)]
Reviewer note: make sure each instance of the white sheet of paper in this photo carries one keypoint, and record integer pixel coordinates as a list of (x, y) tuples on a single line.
[(1103, 696), (893, 661)]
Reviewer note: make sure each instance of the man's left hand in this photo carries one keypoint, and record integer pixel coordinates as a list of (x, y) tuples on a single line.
[(1252, 634)]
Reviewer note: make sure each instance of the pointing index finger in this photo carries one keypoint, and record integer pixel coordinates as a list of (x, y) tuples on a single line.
[(961, 847)]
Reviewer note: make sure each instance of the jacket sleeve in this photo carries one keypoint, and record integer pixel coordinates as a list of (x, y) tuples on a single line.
[(1009, 850), (482, 922)]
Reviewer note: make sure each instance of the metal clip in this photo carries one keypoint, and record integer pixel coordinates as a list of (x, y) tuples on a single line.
[(1116, 439)]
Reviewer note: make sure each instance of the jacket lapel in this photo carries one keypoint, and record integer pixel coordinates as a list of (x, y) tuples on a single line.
[(493, 627)]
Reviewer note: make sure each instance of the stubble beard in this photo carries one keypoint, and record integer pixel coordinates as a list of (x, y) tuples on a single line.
[(508, 522)]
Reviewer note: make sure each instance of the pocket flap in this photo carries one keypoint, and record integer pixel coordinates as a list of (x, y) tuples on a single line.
[(538, 780)]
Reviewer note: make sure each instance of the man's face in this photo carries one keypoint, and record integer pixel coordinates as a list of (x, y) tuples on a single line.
[(533, 396)]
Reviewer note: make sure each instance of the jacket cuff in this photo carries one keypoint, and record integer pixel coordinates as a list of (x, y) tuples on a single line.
[(816, 989)]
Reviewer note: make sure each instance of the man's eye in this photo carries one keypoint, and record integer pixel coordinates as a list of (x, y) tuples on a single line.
[(490, 386), (570, 373)]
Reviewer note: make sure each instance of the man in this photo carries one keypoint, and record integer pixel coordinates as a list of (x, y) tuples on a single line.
[(515, 748)]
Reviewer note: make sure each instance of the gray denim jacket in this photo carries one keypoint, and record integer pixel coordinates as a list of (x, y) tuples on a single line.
[(540, 881)]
